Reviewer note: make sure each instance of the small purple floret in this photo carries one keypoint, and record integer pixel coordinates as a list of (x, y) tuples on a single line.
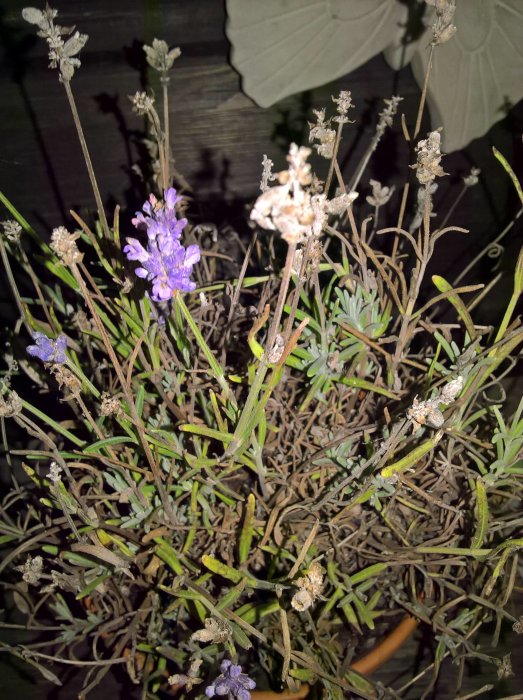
[(165, 262), (231, 682), (47, 349)]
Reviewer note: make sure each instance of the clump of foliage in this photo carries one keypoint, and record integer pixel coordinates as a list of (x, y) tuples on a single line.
[(224, 497)]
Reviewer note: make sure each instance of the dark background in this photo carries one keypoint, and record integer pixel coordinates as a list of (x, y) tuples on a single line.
[(219, 137)]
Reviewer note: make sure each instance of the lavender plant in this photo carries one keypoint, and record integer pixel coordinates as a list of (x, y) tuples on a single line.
[(272, 491)]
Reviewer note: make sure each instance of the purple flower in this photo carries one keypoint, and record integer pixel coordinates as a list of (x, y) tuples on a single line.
[(231, 682), (165, 262), (47, 349)]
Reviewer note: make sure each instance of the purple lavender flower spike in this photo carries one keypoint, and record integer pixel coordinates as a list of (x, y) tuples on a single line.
[(231, 682), (165, 262), (47, 349)]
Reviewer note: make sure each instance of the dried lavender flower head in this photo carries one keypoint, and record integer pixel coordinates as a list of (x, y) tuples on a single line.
[(443, 29), (61, 53), (380, 194), (142, 103), (231, 682), (160, 57), (429, 156), (47, 349), (63, 243), (12, 230)]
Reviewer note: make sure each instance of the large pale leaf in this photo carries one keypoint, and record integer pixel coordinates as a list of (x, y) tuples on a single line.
[(285, 46)]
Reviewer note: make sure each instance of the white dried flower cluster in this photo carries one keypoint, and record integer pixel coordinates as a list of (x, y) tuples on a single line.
[(32, 569), (310, 588), (380, 194), (142, 103), (204, 301), (518, 625), (322, 133), (291, 208), (443, 29), (287, 207), (160, 57), (216, 631), (55, 473), (277, 349), (344, 103), (267, 174), (63, 243), (110, 406), (187, 680), (429, 156), (472, 178), (12, 230), (386, 116), (10, 405), (61, 53), (427, 412)]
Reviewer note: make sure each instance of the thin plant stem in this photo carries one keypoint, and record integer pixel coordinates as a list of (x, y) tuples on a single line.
[(12, 284), (263, 367), (334, 156), (423, 94), (155, 469), (87, 158), (166, 134)]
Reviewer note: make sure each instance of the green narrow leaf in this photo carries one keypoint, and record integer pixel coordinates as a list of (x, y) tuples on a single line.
[(367, 386), (140, 399), (443, 286), (116, 440), (482, 515), (92, 585), (409, 460), (248, 529), (204, 431), (367, 573), (53, 424), (218, 567), (167, 554), (506, 165)]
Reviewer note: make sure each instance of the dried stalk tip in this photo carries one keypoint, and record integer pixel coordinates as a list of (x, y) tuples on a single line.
[(216, 631), (160, 57), (63, 243), (12, 230), (344, 103), (110, 406), (31, 569), (55, 473), (142, 103), (310, 587), (61, 53), (427, 412), (380, 194), (443, 29), (10, 405)]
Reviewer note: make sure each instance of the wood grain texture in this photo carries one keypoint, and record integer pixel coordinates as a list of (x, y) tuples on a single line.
[(218, 135)]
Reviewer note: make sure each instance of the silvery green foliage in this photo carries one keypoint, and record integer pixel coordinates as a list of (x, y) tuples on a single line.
[(160, 57), (508, 440), (61, 53), (362, 311)]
